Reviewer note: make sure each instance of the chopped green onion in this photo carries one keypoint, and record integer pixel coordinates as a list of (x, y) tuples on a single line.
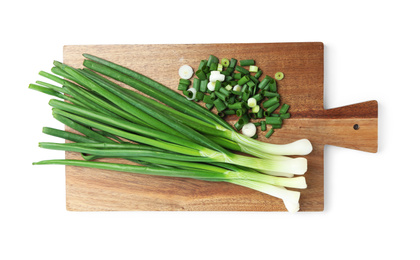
[(284, 108), (233, 62), (273, 120), (256, 109), (243, 80), (279, 75), (212, 59), (219, 104), (253, 68), (252, 102), (201, 74), (246, 62), (249, 129), (270, 94), (225, 62), (285, 116), (241, 111), (270, 102), (272, 108), (182, 87), (263, 126), (185, 72), (241, 70), (269, 133)]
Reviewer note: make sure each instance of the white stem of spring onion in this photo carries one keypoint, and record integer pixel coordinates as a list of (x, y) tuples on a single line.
[(185, 72), (290, 198), (299, 147), (194, 91)]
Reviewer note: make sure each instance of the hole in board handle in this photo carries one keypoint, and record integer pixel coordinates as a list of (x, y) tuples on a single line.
[(356, 127)]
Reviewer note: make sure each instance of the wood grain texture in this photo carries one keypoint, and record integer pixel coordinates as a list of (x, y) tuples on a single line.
[(302, 88)]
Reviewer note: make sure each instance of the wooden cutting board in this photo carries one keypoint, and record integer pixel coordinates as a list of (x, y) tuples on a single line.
[(302, 88)]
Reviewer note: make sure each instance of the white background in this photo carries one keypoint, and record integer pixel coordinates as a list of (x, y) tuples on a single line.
[(371, 199)]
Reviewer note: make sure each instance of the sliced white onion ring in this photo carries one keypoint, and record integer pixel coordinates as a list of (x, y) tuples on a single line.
[(249, 130), (194, 91), (185, 72)]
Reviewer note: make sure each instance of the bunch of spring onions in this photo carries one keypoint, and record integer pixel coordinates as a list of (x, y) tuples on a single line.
[(164, 134)]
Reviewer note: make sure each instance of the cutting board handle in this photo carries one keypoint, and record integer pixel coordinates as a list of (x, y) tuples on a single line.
[(353, 126)]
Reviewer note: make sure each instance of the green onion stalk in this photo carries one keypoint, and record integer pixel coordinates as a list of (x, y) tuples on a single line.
[(164, 135)]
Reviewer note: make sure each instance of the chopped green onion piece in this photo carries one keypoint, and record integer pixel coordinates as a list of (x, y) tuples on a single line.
[(279, 75), (272, 108), (209, 106), (285, 116), (185, 81), (249, 129), (196, 84), (273, 120), (241, 111), (276, 126), (199, 96), (270, 94), (238, 126), (257, 123), (220, 95), (229, 112), (237, 88), (225, 62), (201, 74), (237, 75), (237, 105), (212, 60), (219, 104), (258, 97), (252, 102), (264, 82), (213, 66), (243, 80), (269, 133), (211, 86), (218, 85), (253, 68), (182, 87), (272, 101), (284, 108), (233, 62), (208, 99), (203, 85), (256, 109), (263, 126), (224, 91), (185, 72), (260, 113), (219, 67), (241, 70), (203, 63), (228, 87), (244, 119), (246, 62), (272, 86), (191, 96)]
